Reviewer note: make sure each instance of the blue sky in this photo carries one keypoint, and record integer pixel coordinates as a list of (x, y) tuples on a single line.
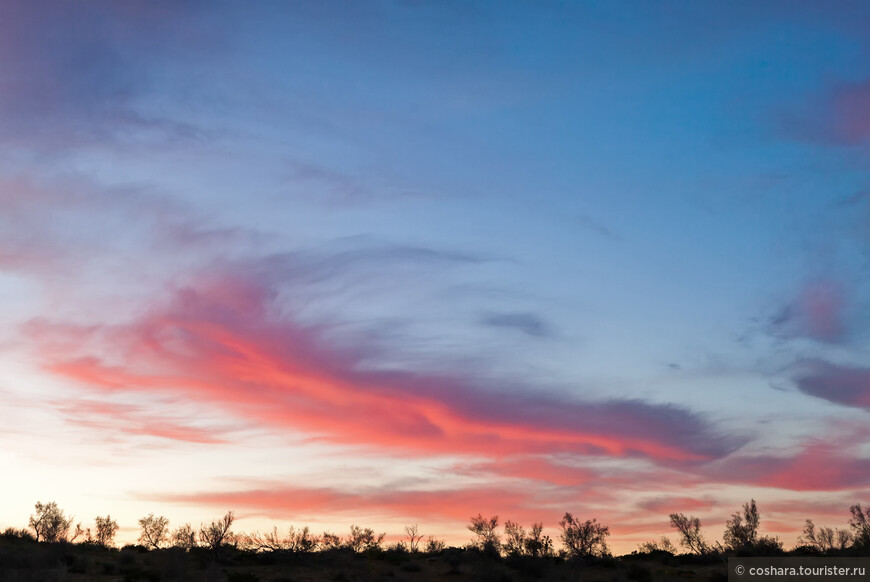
[(495, 257)]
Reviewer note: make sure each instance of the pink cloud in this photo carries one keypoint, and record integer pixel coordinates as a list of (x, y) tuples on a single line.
[(833, 463), (133, 420), (282, 502), (224, 340), (668, 504)]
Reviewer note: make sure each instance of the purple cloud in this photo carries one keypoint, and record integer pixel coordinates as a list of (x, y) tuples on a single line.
[(847, 385)]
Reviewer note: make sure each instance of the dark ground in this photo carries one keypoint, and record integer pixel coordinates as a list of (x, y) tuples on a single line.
[(27, 561)]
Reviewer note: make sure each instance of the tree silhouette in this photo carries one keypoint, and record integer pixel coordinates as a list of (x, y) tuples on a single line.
[(515, 539), (537, 544), (860, 523), (330, 541), (414, 537), (105, 530), (824, 539), (690, 532), (486, 538), (361, 539), (49, 523), (184, 537), (155, 531), (584, 539), (741, 531), (217, 533)]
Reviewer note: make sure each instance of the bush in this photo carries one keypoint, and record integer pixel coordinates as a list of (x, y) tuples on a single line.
[(584, 539)]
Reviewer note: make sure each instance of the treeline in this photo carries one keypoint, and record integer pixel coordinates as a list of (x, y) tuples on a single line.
[(742, 536), (579, 539)]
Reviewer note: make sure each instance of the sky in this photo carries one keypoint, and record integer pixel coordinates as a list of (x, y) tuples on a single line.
[(394, 262)]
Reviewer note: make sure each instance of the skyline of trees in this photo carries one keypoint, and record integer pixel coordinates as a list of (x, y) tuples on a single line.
[(580, 539)]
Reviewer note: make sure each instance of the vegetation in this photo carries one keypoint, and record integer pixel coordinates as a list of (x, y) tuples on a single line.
[(49, 550), (155, 531), (584, 539), (689, 529), (486, 538), (49, 523)]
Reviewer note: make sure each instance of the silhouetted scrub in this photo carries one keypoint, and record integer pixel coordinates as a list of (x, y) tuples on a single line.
[(585, 539)]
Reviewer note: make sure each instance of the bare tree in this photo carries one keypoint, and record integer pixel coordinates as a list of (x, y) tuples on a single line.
[(217, 533), (486, 538), (690, 532), (155, 531), (49, 523), (184, 537), (584, 539), (414, 537), (105, 530)]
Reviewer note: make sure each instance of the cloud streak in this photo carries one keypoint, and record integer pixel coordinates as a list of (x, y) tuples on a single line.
[(224, 339)]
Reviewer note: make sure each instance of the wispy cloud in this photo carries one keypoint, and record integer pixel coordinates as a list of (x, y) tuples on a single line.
[(527, 323), (225, 340), (289, 502), (137, 420), (831, 462), (818, 312)]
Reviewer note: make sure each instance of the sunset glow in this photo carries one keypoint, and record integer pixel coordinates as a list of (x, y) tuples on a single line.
[(384, 263)]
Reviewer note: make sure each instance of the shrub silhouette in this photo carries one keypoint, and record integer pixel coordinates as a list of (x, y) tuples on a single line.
[(663, 544), (824, 539), (330, 541), (296, 541), (434, 545), (184, 537), (362, 540), (49, 523), (584, 539)]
